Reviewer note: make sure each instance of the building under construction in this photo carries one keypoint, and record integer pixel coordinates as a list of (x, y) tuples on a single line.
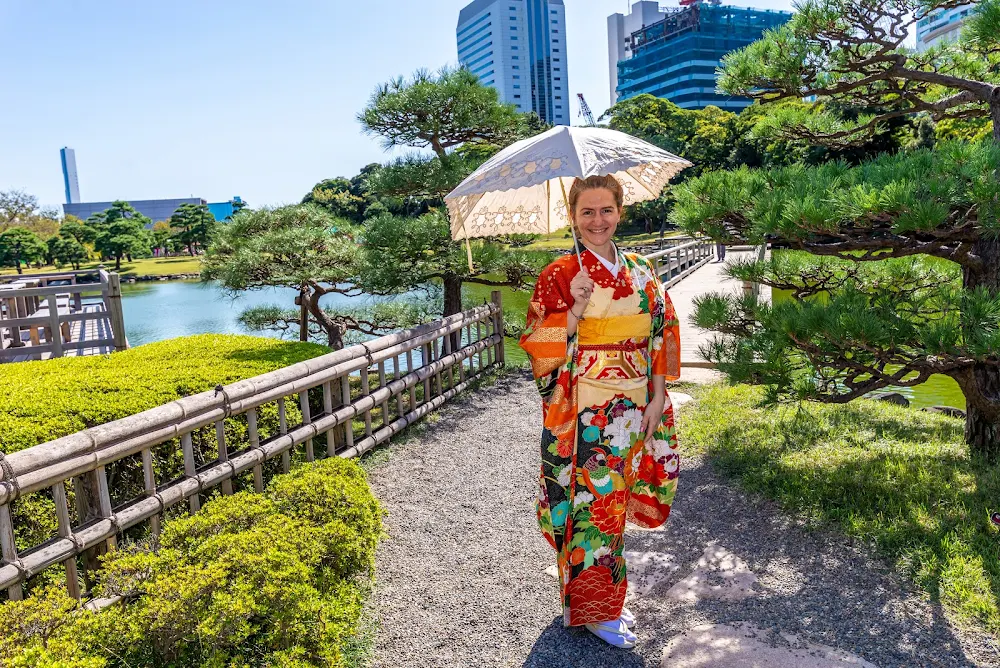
[(677, 57)]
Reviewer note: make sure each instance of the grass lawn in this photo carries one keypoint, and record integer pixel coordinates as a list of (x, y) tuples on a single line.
[(898, 478), (150, 266)]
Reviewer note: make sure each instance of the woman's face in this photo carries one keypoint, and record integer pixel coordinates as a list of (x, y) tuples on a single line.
[(596, 216)]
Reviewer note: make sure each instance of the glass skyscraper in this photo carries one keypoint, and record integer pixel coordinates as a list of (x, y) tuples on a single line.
[(519, 48), (71, 183), (676, 57)]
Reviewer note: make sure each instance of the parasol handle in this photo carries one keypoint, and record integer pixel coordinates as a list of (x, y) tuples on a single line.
[(468, 246), (572, 229)]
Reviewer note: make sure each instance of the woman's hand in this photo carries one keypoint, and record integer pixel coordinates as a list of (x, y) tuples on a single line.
[(581, 288), (653, 413)]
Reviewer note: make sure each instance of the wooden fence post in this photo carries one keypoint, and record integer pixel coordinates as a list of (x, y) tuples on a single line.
[(55, 331), (8, 549), (114, 302), (497, 298)]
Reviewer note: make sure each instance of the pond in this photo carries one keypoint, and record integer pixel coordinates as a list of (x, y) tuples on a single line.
[(159, 310)]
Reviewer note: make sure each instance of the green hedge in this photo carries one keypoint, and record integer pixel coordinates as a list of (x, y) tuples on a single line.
[(277, 579), (40, 401), (896, 477)]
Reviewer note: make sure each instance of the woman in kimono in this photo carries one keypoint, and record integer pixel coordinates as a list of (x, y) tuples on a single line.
[(602, 342)]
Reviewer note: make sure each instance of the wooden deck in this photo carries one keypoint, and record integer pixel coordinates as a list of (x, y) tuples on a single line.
[(56, 315), (708, 278)]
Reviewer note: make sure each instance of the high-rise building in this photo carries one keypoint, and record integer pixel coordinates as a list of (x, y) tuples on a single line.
[(620, 29), (941, 26), (677, 56), (519, 48), (70, 181)]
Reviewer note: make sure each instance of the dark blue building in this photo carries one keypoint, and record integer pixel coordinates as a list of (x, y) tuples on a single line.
[(676, 57)]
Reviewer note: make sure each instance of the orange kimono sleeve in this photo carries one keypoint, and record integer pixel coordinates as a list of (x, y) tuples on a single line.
[(545, 339), (666, 344)]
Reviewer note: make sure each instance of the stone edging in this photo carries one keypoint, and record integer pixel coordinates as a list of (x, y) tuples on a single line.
[(164, 277)]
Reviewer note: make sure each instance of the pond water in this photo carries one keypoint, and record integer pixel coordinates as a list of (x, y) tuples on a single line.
[(160, 310)]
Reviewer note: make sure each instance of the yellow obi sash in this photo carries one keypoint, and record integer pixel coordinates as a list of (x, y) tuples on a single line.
[(616, 329)]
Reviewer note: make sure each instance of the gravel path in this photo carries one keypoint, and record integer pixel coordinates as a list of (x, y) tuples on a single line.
[(461, 582)]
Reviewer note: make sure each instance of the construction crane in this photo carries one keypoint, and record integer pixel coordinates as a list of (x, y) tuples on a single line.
[(585, 110)]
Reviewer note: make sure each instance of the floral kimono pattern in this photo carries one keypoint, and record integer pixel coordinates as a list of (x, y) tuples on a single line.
[(597, 470)]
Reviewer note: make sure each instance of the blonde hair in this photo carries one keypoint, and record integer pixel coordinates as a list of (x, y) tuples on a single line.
[(608, 182)]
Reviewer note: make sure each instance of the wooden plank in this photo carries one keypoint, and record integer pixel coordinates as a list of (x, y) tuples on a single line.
[(286, 456), (8, 548), (220, 436), (187, 448), (149, 487), (258, 470), (331, 442), (66, 531), (365, 391), (307, 419), (345, 386)]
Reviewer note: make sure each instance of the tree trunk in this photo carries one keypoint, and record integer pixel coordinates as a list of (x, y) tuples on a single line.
[(452, 295), (18, 265), (334, 331), (982, 384), (118, 262)]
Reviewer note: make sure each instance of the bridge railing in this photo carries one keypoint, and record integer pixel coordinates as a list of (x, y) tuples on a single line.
[(414, 372), (49, 303), (675, 263)]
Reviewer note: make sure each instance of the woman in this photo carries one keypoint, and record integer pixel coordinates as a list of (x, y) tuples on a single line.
[(602, 343)]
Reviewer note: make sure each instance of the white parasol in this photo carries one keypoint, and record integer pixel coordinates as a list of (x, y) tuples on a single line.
[(523, 189)]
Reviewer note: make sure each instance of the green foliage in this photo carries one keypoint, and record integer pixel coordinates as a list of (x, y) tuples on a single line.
[(250, 580), (77, 229), (853, 52), (363, 321), (438, 111), (337, 197), (401, 254), (841, 329), (901, 193), (19, 209), (66, 250), (898, 478), (195, 225), (45, 400), (284, 246), (120, 232), (19, 245), (40, 401)]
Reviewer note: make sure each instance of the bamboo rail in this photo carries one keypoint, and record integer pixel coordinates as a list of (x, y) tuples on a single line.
[(53, 302), (83, 458)]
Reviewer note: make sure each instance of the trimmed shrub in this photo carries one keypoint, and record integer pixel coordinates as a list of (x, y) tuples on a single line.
[(41, 401), (277, 579)]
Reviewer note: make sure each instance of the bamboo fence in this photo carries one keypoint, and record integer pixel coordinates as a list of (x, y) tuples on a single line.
[(452, 353)]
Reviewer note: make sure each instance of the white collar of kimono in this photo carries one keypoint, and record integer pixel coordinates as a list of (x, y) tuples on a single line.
[(613, 268)]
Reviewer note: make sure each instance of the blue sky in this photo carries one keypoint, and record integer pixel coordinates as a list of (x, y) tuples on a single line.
[(217, 98)]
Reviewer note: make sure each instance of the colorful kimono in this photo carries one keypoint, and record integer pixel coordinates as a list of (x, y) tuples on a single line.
[(597, 471)]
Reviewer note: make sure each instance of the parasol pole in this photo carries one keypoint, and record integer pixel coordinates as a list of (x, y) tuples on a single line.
[(576, 244), (468, 246)]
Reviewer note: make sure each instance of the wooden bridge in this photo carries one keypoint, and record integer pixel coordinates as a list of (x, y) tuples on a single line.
[(60, 314), (352, 399)]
